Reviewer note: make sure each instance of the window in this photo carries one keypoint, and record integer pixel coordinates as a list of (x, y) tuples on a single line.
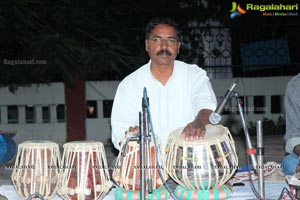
[(259, 104), (60, 113), (12, 114), (107, 106), (91, 109), (276, 105), (30, 114), (46, 114)]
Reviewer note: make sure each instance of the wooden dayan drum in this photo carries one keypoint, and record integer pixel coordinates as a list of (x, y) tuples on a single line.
[(84, 172), (127, 171), (204, 164), (36, 169)]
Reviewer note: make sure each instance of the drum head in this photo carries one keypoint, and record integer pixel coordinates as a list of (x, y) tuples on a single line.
[(37, 142), (40, 144), (83, 145), (212, 131)]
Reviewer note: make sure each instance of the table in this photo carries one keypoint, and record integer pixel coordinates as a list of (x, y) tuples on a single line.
[(272, 191)]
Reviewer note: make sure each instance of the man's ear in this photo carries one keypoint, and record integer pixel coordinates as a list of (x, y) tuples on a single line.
[(178, 48), (146, 45)]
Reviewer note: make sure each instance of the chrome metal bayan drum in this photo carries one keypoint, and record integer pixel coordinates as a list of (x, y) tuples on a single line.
[(36, 169), (127, 170), (202, 164), (84, 172)]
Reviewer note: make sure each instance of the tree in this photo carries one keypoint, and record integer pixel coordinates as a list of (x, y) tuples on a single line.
[(73, 39)]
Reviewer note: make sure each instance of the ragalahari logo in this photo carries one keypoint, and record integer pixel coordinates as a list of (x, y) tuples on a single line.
[(236, 10)]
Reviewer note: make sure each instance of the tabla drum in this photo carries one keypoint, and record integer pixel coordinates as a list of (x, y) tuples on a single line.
[(36, 169), (84, 172), (201, 165), (127, 171)]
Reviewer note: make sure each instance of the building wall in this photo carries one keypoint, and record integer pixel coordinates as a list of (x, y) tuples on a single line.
[(98, 128), (267, 87), (38, 96)]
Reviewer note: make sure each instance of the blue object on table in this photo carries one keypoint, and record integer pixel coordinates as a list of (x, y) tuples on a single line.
[(8, 148)]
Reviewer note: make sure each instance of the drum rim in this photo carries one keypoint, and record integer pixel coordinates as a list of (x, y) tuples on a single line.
[(83, 145), (38, 141), (37, 144)]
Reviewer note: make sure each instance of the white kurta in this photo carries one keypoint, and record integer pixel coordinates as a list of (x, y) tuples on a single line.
[(172, 105)]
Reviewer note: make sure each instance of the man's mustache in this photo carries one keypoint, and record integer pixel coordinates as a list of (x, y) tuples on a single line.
[(164, 51)]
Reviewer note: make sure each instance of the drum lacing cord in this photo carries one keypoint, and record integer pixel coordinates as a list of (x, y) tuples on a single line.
[(35, 195), (156, 150)]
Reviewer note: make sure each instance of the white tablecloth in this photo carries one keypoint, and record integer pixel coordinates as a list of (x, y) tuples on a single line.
[(272, 191)]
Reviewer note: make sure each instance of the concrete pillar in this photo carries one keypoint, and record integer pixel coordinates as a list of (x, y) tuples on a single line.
[(53, 118), (21, 109), (3, 114), (38, 114)]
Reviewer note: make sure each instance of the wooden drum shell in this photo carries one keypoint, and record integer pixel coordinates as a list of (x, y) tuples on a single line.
[(84, 172), (127, 169), (36, 169)]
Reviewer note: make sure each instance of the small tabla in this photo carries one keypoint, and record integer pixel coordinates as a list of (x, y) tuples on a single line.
[(84, 172), (127, 169), (36, 169)]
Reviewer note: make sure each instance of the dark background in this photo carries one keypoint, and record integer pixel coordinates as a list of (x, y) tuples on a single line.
[(104, 40)]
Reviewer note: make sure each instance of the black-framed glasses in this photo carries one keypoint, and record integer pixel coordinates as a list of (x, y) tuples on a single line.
[(158, 40)]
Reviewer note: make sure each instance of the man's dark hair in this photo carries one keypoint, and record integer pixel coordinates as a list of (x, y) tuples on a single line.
[(161, 20)]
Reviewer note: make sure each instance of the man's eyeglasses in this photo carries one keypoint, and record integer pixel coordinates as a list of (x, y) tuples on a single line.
[(158, 40)]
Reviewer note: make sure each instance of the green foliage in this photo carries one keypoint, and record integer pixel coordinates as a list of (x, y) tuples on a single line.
[(104, 40), (71, 37), (99, 40)]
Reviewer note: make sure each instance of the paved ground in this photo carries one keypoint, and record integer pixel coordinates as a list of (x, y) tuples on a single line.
[(274, 151)]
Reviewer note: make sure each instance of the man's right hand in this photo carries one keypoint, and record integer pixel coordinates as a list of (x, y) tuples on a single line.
[(133, 129)]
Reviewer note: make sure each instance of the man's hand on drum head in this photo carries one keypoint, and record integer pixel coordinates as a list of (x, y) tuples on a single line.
[(133, 129), (194, 131)]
